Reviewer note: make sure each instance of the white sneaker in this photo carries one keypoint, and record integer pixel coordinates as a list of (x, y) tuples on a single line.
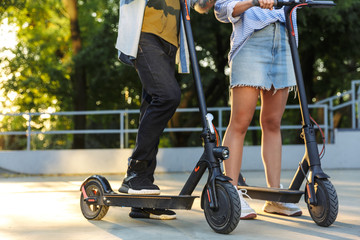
[(246, 211), (287, 209)]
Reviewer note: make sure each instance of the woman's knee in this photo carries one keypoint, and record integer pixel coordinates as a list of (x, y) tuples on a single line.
[(270, 123), (239, 125)]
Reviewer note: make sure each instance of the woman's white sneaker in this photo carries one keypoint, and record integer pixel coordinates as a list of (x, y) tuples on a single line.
[(287, 209), (246, 211)]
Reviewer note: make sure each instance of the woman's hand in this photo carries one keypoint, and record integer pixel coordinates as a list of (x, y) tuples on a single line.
[(241, 7), (266, 4)]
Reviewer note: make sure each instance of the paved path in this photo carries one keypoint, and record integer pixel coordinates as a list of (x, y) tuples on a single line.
[(36, 208)]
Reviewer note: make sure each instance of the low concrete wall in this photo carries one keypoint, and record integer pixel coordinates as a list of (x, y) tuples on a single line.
[(345, 153)]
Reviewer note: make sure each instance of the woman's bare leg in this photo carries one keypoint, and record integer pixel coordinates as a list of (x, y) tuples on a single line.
[(272, 109), (243, 104)]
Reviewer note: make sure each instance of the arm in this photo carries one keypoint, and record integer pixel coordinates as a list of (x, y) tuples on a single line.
[(231, 10), (223, 10), (241, 7)]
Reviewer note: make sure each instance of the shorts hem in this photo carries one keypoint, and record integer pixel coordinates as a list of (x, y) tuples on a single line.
[(291, 88)]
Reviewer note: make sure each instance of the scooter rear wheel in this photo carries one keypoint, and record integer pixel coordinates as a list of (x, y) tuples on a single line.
[(326, 210), (93, 211), (226, 217)]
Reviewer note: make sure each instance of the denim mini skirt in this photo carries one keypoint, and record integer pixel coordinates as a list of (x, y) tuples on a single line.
[(264, 61)]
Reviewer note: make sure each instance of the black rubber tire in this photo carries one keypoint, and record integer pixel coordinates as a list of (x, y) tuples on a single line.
[(325, 212), (226, 218), (92, 211)]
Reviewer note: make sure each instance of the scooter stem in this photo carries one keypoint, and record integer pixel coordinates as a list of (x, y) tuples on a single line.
[(194, 63), (208, 159), (311, 161), (297, 68)]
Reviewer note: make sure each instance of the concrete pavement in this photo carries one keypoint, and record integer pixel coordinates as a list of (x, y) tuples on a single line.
[(38, 207)]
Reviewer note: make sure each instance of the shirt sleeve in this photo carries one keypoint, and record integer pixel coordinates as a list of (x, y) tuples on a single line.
[(223, 11)]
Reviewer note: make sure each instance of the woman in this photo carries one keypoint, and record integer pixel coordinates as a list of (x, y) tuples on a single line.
[(260, 65)]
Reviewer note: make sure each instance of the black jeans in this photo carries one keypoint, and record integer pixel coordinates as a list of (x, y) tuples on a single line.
[(155, 64)]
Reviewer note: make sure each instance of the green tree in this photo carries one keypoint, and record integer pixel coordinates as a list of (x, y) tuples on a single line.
[(42, 73), (212, 41), (78, 72), (328, 47), (47, 65), (37, 73), (329, 51)]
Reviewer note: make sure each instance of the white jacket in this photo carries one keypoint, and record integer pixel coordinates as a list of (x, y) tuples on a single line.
[(129, 29)]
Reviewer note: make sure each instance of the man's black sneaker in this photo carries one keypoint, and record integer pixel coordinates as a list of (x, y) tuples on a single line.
[(139, 185), (153, 213)]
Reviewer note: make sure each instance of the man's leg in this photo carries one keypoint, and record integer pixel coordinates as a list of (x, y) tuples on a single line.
[(155, 65)]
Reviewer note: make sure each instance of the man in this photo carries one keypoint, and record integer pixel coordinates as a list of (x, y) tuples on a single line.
[(151, 36)]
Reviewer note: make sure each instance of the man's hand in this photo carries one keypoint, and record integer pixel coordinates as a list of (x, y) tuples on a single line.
[(203, 6)]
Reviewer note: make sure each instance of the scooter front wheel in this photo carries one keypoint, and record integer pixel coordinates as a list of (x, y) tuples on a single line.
[(326, 210), (226, 217), (93, 210)]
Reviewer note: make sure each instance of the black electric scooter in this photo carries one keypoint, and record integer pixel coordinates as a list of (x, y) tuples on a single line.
[(219, 198), (320, 194)]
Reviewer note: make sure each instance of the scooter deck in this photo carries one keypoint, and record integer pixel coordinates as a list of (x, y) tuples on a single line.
[(149, 201), (273, 194)]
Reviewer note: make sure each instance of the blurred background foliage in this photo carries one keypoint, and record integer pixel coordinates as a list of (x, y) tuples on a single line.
[(64, 59)]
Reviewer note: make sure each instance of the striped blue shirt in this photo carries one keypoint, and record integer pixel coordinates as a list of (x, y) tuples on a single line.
[(255, 18)]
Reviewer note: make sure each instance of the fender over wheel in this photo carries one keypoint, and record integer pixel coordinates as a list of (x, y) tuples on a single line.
[(326, 210), (226, 217), (93, 210)]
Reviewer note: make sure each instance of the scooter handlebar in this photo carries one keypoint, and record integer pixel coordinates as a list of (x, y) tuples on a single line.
[(257, 4), (314, 4)]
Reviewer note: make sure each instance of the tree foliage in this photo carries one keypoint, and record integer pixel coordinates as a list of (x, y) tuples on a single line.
[(328, 47), (329, 52), (41, 73)]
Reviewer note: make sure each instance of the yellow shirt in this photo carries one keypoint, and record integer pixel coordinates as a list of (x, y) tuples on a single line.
[(162, 19)]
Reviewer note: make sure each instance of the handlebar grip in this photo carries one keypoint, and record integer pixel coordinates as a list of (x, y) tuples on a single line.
[(256, 3), (313, 4)]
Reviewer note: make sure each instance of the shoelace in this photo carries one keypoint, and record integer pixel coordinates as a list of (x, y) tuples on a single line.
[(244, 193)]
